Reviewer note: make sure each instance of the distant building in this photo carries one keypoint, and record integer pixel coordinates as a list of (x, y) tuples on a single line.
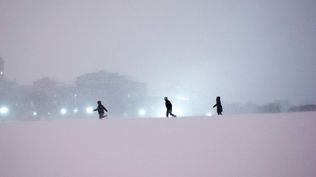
[(303, 108), (1, 68)]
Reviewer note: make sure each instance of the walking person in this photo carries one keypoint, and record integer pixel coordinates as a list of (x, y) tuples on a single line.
[(169, 108), (101, 110), (219, 106)]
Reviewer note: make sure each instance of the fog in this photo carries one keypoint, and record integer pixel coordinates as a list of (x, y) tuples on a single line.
[(256, 51)]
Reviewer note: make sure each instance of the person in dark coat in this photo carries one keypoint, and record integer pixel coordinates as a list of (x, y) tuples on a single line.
[(100, 110), (219, 106), (169, 108)]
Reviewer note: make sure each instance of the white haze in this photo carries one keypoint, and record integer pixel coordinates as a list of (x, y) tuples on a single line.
[(261, 50)]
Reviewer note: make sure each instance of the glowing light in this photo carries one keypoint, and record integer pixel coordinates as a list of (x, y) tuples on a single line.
[(76, 110), (142, 112), (4, 110), (1, 73), (89, 110), (34, 113), (209, 114), (183, 98), (63, 111), (178, 112), (161, 114)]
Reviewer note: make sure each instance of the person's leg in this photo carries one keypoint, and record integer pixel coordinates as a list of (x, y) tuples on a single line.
[(101, 115), (220, 110), (167, 113), (172, 113)]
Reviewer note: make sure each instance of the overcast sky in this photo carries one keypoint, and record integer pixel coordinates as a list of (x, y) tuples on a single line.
[(243, 50)]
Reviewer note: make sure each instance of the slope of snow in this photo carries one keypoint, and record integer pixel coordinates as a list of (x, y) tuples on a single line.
[(274, 145)]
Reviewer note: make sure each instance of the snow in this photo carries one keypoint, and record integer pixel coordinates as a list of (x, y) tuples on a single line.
[(268, 145)]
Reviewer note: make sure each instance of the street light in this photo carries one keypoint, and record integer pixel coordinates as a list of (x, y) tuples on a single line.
[(142, 112), (209, 114), (63, 111), (76, 110), (89, 110), (4, 110)]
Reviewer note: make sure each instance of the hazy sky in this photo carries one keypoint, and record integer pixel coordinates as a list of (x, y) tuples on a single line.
[(243, 50)]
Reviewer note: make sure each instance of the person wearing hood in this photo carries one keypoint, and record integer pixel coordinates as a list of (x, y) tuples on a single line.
[(101, 110)]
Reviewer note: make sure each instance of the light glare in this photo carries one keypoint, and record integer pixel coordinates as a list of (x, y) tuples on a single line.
[(63, 111), (142, 112), (209, 114), (178, 112), (183, 98), (4, 110), (89, 110)]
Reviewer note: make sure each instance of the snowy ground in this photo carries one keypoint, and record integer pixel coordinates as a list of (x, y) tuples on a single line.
[(275, 145)]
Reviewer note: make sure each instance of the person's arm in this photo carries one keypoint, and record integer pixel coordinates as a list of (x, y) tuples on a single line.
[(95, 109), (104, 109), (214, 105)]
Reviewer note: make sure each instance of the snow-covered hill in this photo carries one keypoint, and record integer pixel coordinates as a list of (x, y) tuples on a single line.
[(274, 145)]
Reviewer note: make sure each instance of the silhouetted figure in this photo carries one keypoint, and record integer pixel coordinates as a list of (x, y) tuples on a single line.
[(169, 108), (100, 110), (218, 105)]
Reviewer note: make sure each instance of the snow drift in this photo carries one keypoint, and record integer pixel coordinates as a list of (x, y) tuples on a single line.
[(274, 145)]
